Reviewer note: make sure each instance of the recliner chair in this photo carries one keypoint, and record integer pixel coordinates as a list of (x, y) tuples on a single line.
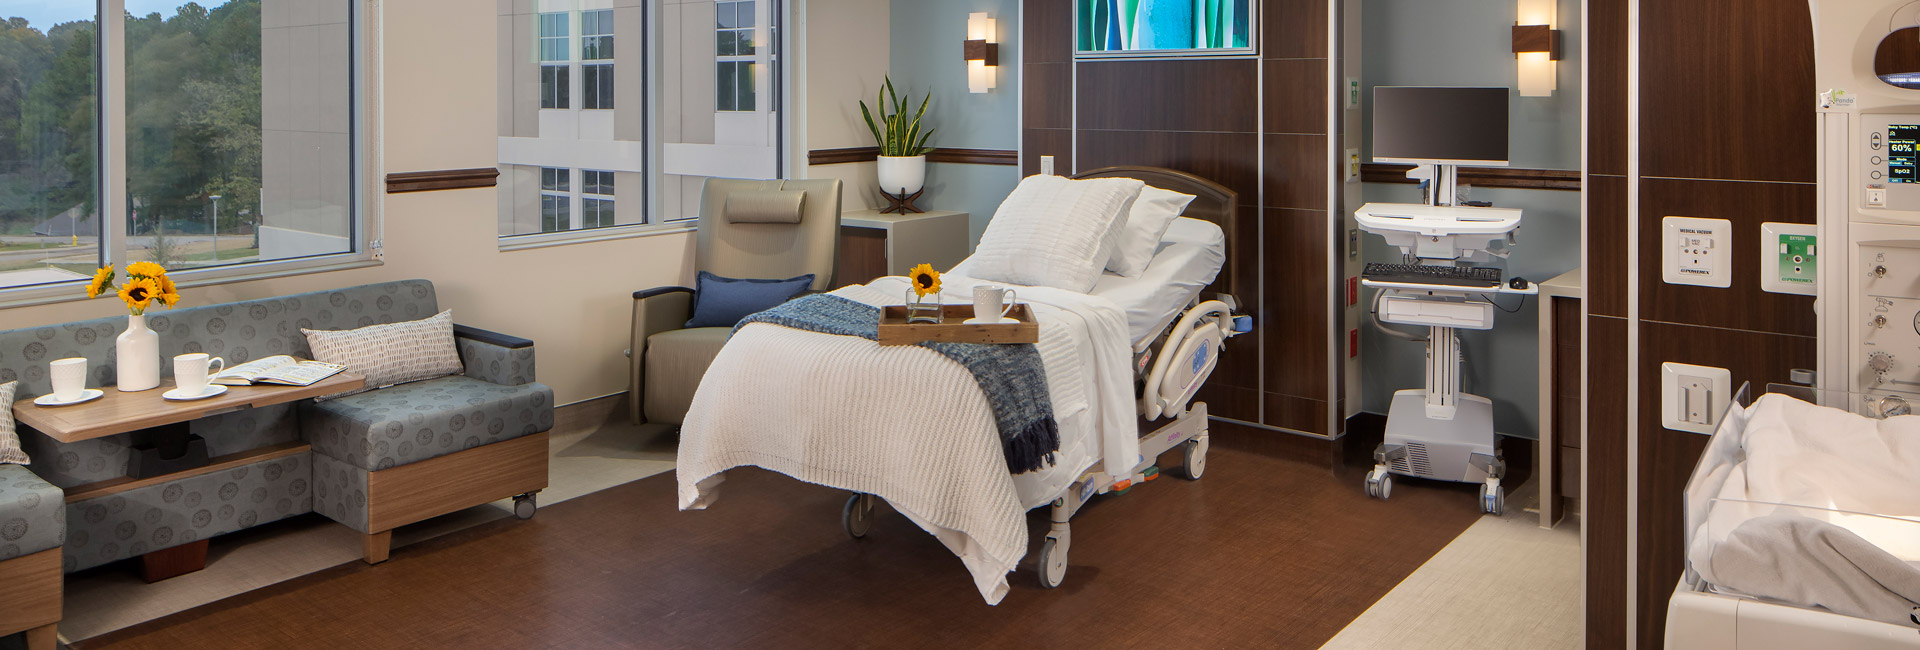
[(748, 229)]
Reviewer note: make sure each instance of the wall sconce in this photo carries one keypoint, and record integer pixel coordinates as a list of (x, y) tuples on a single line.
[(1536, 46), (982, 52)]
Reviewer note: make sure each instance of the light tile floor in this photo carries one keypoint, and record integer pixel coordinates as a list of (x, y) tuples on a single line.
[(1504, 583)]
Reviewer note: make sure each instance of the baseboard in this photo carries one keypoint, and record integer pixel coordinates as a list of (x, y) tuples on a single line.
[(588, 414)]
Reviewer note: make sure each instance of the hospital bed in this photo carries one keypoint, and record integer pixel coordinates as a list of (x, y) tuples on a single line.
[(1757, 588), (1175, 330)]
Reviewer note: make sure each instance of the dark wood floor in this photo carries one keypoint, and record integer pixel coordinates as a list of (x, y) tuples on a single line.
[(1277, 548)]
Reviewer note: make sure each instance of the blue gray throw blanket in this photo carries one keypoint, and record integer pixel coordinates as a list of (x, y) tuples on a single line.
[(1011, 376)]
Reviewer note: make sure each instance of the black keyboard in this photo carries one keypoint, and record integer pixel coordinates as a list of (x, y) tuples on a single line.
[(1453, 276)]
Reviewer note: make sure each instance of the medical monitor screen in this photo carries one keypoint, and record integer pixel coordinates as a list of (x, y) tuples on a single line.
[(1430, 124), (1902, 164)]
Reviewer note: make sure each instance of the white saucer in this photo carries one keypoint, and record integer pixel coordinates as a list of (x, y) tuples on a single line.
[(993, 321), (212, 390), (85, 396)]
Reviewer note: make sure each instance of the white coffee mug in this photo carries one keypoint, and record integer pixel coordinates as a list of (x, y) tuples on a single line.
[(69, 378), (992, 301), (191, 371)]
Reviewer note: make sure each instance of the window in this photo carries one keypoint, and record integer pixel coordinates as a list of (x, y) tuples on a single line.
[(555, 199), (224, 170), (596, 202), (733, 38), (559, 113), (555, 58)]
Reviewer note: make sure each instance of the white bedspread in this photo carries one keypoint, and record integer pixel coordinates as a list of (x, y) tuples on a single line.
[(909, 425)]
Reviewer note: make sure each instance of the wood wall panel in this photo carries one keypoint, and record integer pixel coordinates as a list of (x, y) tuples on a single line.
[(1607, 231), (1724, 88), (1296, 171), (1294, 311), (1296, 96), (1606, 52), (1667, 457), (1046, 28), (1035, 143), (1296, 413), (1231, 159), (1294, 29), (1218, 95), (1744, 305), (1049, 103), (1604, 512)]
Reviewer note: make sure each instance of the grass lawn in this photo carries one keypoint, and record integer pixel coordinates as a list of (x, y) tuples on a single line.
[(7, 248)]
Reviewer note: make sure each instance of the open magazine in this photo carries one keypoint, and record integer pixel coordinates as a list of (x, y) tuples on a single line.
[(281, 369)]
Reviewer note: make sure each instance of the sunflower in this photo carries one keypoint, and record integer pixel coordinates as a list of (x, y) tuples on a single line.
[(102, 279), (138, 293), (169, 294), (925, 280), (145, 270)]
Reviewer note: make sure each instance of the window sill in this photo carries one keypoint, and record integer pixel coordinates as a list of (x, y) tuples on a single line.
[(546, 240), (187, 278)]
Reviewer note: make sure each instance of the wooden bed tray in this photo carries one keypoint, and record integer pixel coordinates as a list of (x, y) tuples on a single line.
[(952, 328)]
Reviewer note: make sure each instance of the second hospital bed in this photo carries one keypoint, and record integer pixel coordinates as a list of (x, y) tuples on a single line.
[(1123, 362)]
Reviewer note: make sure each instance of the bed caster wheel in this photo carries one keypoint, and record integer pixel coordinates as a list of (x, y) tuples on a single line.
[(857, 515), (1379, 484), (1053, 563), (1493, 500), (1193, 459), (524, 506)]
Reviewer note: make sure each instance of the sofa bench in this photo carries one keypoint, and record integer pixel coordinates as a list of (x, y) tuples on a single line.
[(32, 528), (372, 461)]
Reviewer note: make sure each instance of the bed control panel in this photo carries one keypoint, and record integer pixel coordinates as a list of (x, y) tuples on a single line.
[(1887, 357), (1889, 162)]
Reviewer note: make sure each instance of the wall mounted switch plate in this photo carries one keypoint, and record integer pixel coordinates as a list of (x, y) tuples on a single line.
[(1697, 251), (1693, 398), (1046, 165), (1789, 258)]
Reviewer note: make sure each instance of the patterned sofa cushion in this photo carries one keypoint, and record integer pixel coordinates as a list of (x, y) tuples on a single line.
[(33, 513), (413, 422), (165, 515)]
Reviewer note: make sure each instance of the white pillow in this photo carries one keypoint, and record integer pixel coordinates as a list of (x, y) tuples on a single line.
[(10, 451), (395, 353), (1054, 232), (1146, 224)]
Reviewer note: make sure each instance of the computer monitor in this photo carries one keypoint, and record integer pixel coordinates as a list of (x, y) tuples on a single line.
[(1435, 125)]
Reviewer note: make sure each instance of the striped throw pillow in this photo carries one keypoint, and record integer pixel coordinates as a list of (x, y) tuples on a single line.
[(395, 353), (10, 451)]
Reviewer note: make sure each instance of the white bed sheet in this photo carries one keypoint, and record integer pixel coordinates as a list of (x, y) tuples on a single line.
[(1191, 255)]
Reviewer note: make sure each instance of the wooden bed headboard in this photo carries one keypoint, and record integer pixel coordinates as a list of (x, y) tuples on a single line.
[(1212, 202)]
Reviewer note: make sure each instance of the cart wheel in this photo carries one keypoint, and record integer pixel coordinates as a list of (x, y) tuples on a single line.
[(1379, 485), (857, 515), (1492, 501), (1193, 459), (524, 506), (1053, 563)]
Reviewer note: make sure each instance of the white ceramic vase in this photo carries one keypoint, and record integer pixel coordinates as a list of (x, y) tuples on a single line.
[(137, 356), (901, 175)]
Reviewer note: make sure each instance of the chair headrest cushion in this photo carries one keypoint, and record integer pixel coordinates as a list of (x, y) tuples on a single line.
[(765, 206)]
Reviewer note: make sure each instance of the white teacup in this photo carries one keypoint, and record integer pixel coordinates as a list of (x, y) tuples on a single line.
[(992, 302), (191, 371), (69, 378)]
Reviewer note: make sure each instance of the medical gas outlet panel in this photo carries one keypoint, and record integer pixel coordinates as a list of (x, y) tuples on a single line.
[(1887, 357), (1888, 175)]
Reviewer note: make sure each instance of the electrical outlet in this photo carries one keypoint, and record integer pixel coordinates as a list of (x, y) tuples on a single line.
[(1693, 397), (1046, 165), (1697, 251)]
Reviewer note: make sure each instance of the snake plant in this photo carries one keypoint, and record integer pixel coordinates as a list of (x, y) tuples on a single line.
[(896, 134)]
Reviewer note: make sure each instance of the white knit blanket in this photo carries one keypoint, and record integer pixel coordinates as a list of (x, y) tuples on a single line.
[(907, 424)]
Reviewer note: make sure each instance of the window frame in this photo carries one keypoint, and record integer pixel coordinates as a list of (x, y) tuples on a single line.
[(366, 227)]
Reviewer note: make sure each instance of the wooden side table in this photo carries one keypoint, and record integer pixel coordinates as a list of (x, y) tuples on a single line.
[(1558, 464), (874, 245), (116, 413)]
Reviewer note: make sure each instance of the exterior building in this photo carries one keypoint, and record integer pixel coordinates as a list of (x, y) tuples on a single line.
[(576, 147)]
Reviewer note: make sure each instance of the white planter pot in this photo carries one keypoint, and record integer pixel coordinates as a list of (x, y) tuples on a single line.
[(902, 174), (137, 356)]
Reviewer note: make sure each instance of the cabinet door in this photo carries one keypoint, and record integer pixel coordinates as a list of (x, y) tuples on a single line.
[(862, 255)]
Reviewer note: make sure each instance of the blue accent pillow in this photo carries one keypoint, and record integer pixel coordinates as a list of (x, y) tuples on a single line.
[(722, 302)]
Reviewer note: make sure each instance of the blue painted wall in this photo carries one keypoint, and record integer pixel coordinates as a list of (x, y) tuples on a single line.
[(926, 56), (1468, 43)]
